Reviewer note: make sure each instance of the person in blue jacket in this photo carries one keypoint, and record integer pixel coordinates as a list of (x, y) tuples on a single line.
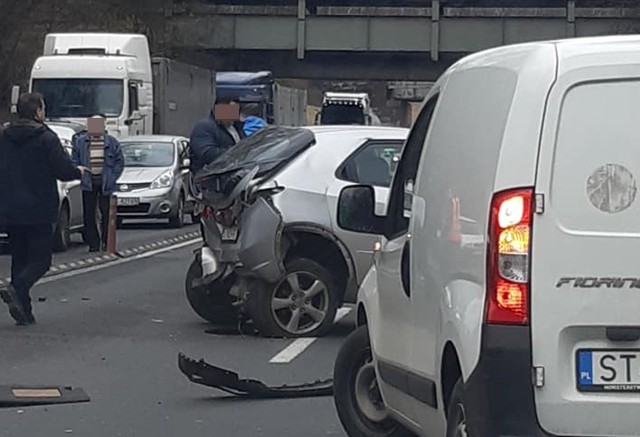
[(106, 163), (250, 117), (212, 137)]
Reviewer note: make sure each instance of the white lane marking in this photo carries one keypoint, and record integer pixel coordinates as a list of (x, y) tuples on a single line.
[(118, 262), (295, 348)]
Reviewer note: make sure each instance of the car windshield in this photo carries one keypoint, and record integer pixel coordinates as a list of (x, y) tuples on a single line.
[(81, 97), (148, 154), (267, 149), (342, 114)]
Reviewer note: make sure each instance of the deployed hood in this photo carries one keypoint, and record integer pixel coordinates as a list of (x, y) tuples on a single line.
[(22, 131), (139, 175)]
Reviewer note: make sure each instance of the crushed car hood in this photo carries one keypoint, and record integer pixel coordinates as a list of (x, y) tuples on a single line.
[(258, 156)]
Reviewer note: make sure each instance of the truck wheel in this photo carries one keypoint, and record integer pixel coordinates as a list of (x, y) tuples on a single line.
[(356, 394), (62, 235), (303, 303), (177, 219), (456, 417), (213, 302)]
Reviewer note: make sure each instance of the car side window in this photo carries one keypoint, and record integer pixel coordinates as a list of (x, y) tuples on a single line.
[(372, 164), (400, 197)]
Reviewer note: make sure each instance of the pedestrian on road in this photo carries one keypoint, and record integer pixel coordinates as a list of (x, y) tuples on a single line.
[(31, 159), (250, 118), (101, 153), (215, 134)]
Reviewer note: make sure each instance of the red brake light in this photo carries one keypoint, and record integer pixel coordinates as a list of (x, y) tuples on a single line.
[(207, 212), (508, 257)]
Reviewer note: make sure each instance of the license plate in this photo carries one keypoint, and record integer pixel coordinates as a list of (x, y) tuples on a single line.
[(128, 201), (608, 370), (228, 234)]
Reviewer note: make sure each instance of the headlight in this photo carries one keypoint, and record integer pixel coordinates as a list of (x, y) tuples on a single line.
[(165, 180)]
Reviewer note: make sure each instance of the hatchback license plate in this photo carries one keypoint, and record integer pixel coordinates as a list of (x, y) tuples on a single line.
[(128, 201), (608, 370), (228, 234)]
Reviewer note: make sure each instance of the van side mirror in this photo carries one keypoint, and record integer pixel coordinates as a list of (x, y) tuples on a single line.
[(356, 210), (15, 96), (135, 116)]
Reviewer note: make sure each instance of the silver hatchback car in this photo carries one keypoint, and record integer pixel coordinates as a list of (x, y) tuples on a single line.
[(156, 179), (272, 245)]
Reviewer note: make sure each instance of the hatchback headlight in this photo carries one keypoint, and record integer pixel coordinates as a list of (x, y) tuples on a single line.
[(165, 180)]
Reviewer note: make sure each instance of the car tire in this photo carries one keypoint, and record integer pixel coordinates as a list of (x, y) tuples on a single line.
[(212, 302), (456, 417), (275, 312), (62, 234), (356, 395), (177, 219)]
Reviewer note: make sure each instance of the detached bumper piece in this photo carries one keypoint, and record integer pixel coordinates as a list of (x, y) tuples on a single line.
[(22, 396), (203, 373)]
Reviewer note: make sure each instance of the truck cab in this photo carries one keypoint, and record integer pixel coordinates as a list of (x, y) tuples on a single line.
[(346, 108), (81, 75)]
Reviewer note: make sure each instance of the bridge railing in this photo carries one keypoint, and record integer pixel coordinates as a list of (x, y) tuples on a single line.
[(432, 26)]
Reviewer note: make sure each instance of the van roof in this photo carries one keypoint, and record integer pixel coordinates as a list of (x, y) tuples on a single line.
[(516, 56)]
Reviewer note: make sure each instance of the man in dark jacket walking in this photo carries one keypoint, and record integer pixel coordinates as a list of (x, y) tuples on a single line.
[(101, 152), (31, 159), (215, 134)]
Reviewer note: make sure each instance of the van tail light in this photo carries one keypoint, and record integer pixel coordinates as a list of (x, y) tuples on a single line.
[(508, 257)]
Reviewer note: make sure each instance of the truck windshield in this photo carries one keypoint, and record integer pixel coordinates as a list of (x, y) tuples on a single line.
[(81, 97), (148, 154), (342, 114)]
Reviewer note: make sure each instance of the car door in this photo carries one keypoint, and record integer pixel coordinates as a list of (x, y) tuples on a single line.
[(73, 191), (390, 336), (373, 163)]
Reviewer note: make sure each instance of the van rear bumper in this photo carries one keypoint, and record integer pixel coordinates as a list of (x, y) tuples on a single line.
[(499, 398)]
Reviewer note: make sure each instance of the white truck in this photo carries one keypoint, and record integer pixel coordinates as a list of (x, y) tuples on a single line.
[(85, 74), (346, 108)]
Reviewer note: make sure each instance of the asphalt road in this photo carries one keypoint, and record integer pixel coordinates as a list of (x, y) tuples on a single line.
[(116, 332), (132, 234)]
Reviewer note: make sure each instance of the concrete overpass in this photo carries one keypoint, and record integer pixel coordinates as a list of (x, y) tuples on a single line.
[(370, 43)]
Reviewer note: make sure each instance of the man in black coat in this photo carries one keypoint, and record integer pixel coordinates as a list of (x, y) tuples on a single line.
[(214, 135), (31, 160)]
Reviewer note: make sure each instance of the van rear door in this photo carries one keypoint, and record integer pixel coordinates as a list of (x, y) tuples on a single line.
[(585, 272)]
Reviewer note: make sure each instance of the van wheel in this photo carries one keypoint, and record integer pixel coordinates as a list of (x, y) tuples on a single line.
[(212, 302), (177, 219), (304, 303), (62, 236), (356, 394), (456, 418)]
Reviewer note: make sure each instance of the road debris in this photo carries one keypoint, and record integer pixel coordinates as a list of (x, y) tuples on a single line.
[(203, 373)]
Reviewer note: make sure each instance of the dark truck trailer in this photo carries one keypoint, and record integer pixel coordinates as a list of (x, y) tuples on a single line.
[(279, 105), (183, 94)]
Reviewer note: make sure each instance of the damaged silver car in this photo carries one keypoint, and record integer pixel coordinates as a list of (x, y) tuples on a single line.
[(272, 251)]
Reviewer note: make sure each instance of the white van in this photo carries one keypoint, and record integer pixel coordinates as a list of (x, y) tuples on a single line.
[(505, 295)]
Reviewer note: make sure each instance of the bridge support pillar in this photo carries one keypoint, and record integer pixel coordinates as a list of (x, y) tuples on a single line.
[(571, 18), (302, 21), (435, 30)]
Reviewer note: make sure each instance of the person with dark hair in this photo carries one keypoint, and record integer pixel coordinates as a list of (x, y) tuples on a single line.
[(250, 118), (31, 160), (101, 152), (212, 136)]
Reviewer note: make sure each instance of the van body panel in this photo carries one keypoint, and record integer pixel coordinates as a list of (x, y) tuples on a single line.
[(585, 243)]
